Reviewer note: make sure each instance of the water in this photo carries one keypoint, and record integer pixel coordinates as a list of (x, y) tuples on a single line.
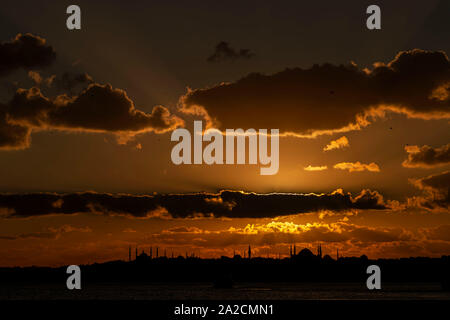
[(242, 291)]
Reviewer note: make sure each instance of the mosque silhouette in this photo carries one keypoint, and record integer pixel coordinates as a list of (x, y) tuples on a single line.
[(155, 265), (305, 254)]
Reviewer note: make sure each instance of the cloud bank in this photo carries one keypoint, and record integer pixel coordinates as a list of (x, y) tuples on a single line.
[(357, 166), (315, 168), (224, 52), (435, 192), (328, 98), (98, 108), (426, 156), (25, 51), (50, 233), (229, 204), (340, 143)]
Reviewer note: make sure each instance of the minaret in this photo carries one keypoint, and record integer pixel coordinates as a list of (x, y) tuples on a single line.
[(249, 252), (136, 253), (157, 254), (295, 250), (337, 254), (151, 252)]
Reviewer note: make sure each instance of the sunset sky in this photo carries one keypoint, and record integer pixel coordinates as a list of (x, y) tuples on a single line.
[(86, 118)]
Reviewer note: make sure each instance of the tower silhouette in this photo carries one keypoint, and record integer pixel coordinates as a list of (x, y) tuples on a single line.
[(129, 253), (249, 252)]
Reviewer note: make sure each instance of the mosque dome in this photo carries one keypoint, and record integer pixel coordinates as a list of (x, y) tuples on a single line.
[(305, 253)]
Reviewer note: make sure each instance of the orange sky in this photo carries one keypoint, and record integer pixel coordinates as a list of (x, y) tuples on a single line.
[(357, 111)]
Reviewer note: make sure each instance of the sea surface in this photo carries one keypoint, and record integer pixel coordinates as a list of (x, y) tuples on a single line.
[(244, 291)]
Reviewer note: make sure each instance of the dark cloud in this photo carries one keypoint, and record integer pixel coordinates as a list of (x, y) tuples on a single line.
[(68, 81), (12, 136), (427, 156), (435, 192), (224, 52), (328, 98), (25, 51), (98, 108), (369, 199), (231, 204)]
